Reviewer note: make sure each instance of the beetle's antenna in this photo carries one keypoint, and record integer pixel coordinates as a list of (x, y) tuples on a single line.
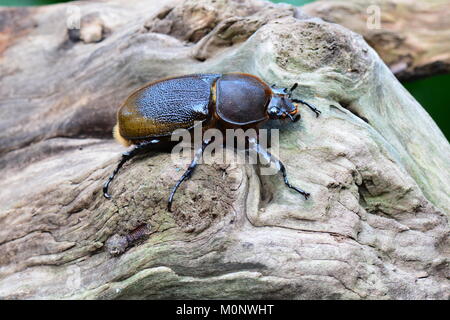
[(293, 87)]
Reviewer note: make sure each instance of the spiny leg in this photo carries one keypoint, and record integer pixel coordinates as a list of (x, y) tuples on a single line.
[(140, 148), (187, 174), (317, 111), (254, 145), (283, 171)]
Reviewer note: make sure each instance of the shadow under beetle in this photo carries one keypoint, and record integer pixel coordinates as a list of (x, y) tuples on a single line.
[(151, 114)]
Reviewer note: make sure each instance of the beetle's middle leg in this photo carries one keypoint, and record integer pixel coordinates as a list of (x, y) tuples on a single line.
[(187, 174), (254, 145), (140, 148)]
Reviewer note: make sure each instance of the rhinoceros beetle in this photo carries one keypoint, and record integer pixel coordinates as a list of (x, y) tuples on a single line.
[(152, 113)]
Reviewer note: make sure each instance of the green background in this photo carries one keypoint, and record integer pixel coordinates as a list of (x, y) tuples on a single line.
[(433, 93)]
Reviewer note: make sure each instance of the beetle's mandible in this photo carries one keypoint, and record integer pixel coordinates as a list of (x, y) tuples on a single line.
[(152, 113)]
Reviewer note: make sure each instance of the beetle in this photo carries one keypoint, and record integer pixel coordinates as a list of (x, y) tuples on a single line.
[(152, 113)]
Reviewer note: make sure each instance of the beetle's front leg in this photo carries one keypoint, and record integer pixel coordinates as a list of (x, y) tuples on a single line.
[(125, 157), (316, 111), (254, 145), (187, 174)]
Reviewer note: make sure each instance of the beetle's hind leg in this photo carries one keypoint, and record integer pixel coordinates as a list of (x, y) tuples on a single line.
[(140, 148), (187, 174), (254, 145), (314, 109)]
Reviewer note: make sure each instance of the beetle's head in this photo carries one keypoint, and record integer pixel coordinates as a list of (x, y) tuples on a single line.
[(281, 105)]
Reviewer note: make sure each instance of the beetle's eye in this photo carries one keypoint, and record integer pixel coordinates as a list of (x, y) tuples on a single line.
[(272, 112)]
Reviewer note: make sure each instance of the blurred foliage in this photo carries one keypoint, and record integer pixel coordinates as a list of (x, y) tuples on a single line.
[(433, 93)]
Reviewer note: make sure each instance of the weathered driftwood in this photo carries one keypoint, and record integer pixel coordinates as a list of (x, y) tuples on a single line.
[(412, 37), (375, 162)]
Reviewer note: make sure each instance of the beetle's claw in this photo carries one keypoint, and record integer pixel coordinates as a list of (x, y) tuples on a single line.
[(314, 109), (303, 193), (105, 190)]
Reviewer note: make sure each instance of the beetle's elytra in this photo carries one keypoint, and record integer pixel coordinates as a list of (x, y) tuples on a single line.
[(152, 113)]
